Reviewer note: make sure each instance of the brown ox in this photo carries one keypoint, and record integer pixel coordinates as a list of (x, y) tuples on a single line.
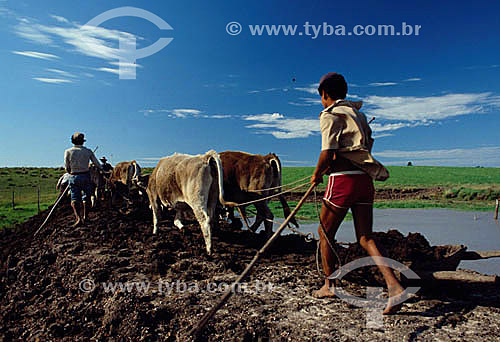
[(194, 180), (244, 175), (124, 175)]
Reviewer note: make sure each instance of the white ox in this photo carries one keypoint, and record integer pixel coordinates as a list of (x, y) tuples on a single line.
[(194, 180)]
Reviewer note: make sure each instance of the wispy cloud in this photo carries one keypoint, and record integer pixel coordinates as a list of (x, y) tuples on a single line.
[(126, 65), (62, 73), (31, 32), (52, 80), (420, 109), (59, 18), (34, 54), (283, 127), (392, 113), (413, 79), (484, 156), (110, 70), (268, 90), (90, 41), (412, 108), (183, 113), (382, 84), (311, 89)]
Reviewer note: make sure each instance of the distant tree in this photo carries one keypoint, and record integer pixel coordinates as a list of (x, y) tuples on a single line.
[(409, 164)]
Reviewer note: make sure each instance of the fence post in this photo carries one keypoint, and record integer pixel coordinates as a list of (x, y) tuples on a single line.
[(38, 199), (13, 203)]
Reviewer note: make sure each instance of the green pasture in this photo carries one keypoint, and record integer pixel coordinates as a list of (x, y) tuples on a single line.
[(421, 176)]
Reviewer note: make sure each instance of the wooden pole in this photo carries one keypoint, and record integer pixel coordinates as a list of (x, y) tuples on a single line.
[(198, 328), (496, 209), (61, 195)]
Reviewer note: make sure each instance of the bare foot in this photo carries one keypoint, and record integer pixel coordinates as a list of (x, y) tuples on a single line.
[(324, 292), (393, 304)]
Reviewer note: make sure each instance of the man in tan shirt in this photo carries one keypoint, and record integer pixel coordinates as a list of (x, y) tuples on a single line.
[(76, 162), (346, 144)]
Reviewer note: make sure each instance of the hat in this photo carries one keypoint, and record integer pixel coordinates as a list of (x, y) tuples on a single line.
[(78, 137), (103, 159), (332, 80)]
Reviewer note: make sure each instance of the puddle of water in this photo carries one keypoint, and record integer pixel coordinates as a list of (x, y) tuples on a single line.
[(476, 230)]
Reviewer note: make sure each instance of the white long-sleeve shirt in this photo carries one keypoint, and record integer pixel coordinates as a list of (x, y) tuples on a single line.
[(76, 159)]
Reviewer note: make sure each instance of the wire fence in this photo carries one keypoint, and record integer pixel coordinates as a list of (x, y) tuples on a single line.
[(27, 195)]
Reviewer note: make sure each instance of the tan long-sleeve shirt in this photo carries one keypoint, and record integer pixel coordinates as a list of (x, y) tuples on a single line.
[(76, 159), (345, 129)]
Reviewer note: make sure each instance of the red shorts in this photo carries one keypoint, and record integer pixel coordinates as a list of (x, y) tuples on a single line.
[(349, 188)]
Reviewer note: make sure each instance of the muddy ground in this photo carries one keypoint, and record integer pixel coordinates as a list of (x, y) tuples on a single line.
[(44, 295)]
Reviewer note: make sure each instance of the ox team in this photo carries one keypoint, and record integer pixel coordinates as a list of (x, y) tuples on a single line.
[(232, 177)]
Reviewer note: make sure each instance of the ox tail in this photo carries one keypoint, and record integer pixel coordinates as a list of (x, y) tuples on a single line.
[(137, 171), (276, 164), (220, 178)]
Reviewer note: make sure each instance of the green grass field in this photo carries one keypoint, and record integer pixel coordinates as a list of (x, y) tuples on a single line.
[(24, 183), (463, 188), (420, 176)]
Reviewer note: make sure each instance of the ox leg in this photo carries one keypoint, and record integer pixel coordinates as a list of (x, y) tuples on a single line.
[(156, 214), (204, 220), (265, 215), (243, 215)]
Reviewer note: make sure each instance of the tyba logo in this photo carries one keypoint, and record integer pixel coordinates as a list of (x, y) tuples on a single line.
[(127, 53)]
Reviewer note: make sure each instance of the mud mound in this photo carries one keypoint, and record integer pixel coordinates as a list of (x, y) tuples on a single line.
[(112, 280)]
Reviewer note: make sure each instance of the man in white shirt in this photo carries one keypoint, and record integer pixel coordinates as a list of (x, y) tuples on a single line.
[(76, 162)]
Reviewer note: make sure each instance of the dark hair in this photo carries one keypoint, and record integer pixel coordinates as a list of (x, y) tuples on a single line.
[(334, 85), (78, 141)]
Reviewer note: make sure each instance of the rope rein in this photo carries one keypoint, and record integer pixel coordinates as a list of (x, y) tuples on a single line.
[(271, 196), (283, 186)]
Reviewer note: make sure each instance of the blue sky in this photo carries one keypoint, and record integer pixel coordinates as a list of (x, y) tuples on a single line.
[(435, 96)]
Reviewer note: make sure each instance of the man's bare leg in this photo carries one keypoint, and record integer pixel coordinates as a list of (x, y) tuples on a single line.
[(363, 223), (75, 206), (331, 217)]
